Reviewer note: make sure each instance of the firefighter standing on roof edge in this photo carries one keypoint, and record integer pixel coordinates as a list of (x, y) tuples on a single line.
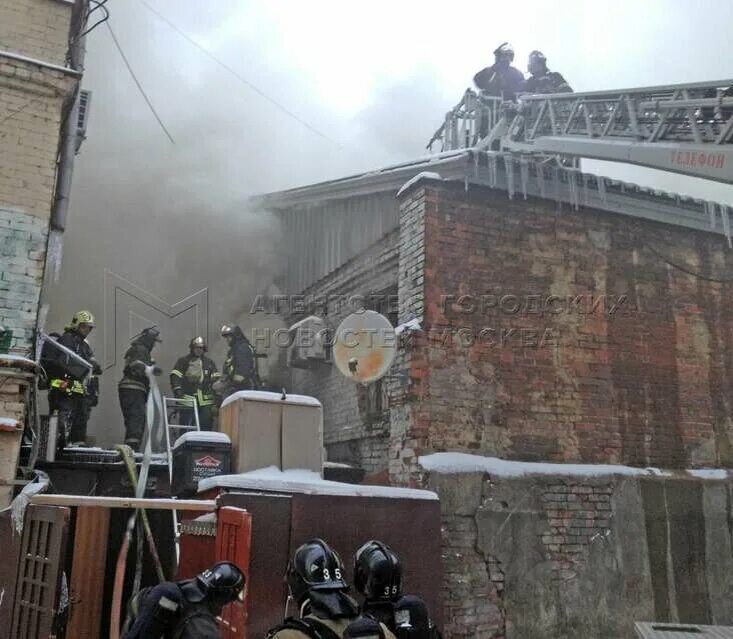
[(501, 79), (192, 378), (134, 386), (239, 371), (315, 578), (68, 393), (541, 79), (185, 609)]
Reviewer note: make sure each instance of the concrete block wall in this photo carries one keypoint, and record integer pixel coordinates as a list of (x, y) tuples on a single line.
[(561, 335)]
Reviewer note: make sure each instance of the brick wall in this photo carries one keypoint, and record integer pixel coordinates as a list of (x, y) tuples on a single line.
[(563, 336), (22, 255), (30, 119), (32, 98), (36, 28), (351, 434)]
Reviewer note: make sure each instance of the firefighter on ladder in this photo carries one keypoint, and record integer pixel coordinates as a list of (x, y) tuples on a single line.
[(192, 378), (68, 392)]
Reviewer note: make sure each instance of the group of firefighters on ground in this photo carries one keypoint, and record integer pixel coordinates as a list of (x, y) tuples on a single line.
[(316, 586), (194, 377), (503, 80)]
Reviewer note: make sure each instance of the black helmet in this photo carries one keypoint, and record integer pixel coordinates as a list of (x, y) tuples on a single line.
[(221, 584), (149, 335), (364, 628), (197, 342), (377, 572), (504, 50), (314, 566), (537, 56), (412, 618)]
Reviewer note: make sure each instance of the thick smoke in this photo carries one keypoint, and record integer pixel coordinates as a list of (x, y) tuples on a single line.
[(174, 218)]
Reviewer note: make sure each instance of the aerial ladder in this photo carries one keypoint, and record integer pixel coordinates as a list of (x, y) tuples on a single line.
[(683, 128)]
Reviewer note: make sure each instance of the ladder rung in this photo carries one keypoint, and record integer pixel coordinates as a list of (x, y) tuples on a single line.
[(181, 426)]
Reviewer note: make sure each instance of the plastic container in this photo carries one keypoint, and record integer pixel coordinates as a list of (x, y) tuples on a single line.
[(198, 455)]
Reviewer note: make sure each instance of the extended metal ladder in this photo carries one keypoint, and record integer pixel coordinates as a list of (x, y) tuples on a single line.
[(683, 128), (172, 406)]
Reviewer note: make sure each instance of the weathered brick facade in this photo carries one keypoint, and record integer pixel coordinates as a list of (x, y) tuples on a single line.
[(559, 335), (356, 427), (32, 98)]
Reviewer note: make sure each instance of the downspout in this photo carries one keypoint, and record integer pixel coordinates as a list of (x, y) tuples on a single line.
[(64, 167)]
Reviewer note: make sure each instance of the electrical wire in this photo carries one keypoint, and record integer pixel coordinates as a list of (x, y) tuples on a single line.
[(685, 269), (243, 80), (98, 4), (137, 83)]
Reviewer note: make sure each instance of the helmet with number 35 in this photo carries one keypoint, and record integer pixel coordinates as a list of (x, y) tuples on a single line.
[(315, 566), (377, 572)]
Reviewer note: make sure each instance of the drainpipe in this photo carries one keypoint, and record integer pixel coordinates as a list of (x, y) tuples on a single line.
[(67, 149)]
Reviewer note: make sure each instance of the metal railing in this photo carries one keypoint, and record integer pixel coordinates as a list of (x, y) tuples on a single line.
[(467, 123)]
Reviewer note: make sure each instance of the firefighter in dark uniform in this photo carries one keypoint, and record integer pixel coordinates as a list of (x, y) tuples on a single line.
[(134, 386), (68, 391), (501, 79), (186, 609), (378, 578), (239, 371), (192, 378), (541, 79), (315, 578)]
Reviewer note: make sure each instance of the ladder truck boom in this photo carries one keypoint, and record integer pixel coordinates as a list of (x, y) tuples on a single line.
[(685, 128)]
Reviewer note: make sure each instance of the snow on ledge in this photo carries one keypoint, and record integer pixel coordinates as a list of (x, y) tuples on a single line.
[(412, 325), (16, 360), (9, 424), (307, 482), (709, 473), (266, 396), (429, 175), (451, 463)]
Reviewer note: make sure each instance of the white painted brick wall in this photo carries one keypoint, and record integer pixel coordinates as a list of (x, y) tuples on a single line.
[(22, 256)]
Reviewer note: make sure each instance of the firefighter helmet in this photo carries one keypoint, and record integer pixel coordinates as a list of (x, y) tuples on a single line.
[(412, 617), (82, 317), (377, 572), (537, 56), (227, 330), (315, 566), (504, 51), (197, 342), (150, 335), (221, 584)]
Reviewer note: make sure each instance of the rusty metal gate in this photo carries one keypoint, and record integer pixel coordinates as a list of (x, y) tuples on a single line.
[(233, 541), (42, 557)]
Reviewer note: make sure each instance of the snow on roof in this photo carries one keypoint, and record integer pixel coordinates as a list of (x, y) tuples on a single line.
[(265, 396), (307, 482), (465, 463), (709, 473), (204, 436), (427, 175)]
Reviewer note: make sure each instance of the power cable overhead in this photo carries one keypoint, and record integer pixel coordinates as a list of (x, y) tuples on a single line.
[(243, 80), (137, 83)]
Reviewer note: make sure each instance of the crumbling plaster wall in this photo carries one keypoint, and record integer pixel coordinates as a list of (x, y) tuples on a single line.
[(569, 556)]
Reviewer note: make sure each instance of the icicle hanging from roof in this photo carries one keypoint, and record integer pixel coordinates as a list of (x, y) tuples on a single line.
[(509, 166)]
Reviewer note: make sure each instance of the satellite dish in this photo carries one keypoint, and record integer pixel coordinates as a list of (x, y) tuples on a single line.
[(364, 346)]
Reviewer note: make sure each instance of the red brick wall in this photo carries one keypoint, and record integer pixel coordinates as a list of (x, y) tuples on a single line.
[(595, 348)]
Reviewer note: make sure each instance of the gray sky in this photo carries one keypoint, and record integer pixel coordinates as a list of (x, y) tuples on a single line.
[(376, 78)]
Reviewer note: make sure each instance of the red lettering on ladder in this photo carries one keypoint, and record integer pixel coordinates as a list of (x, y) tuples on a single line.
[(692, 159)]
